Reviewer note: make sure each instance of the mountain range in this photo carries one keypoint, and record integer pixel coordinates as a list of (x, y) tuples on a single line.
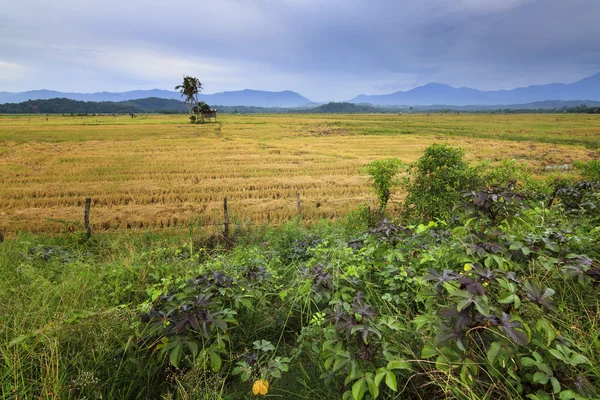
[(257, 98), (430, 94), (437, 93)]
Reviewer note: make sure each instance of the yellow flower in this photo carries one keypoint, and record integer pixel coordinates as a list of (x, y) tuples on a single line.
[(260, 387), (467, 267)]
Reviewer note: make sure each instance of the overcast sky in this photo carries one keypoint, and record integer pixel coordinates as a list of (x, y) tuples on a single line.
[(323, 49)]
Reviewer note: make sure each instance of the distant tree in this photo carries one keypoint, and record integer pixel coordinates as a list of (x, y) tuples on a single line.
[(189, 89)]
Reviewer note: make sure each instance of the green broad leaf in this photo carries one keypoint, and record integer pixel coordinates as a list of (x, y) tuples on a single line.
[(462, 293), (559, 355), (553, 247), (398, 364), (263, 345), (175, 354), (421, 321), (275, 373), (499, 260), (528, 362), (508, 298), (555, 385), (442, 364), (215, 361), (328, 362), (329, 345), (245, 376), (465, 376), (539, 395), (373, 387), (540, 377), (577, 359), (390, 381), (359, 388), (428, 352), (517, 302), (355, 373), (544, 326), (569, 395), (339, 363), (493, 351), (380, 374), (193, 346), (488, 261), (283, 294), (462, 304), (482, 305)]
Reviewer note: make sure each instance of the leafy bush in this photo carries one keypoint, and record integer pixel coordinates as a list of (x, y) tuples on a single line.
[(590, 170), (436, 181), (383, 174)]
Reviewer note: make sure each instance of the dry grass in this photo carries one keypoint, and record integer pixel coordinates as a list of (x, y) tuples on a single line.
[(160, 171)]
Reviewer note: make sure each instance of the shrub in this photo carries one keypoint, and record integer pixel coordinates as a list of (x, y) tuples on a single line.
[(383, 174), (590, 170), (436, 181)]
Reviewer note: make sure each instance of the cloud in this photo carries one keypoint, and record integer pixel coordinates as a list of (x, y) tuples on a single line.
[(324, 50)]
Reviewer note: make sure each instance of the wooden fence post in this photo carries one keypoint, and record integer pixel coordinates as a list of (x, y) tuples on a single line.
[(298, 202), (86, 216), (226, 220)]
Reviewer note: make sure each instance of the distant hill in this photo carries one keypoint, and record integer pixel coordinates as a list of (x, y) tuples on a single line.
[(68, 106), (341, 108), (256, 98), (436, 93), (156, 105)]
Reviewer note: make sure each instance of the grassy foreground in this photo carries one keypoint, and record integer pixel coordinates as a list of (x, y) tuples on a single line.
[(158, 172), (497, 301)]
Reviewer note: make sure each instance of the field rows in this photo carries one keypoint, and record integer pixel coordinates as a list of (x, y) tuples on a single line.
[(159, 171)]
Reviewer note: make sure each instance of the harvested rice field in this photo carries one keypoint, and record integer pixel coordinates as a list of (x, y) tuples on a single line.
[(161, 172)]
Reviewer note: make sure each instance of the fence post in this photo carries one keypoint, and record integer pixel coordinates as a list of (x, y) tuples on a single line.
[(226, 220), (86, 216), (299, 205)]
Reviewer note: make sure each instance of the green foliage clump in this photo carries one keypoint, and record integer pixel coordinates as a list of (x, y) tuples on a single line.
[(436, 182), (384, 173), (590, 170)]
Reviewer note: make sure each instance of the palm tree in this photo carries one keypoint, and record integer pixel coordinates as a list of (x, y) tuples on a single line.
[(190, 88)]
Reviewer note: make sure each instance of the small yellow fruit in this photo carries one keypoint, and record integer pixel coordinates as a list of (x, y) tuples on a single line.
[(467, 267), (260, 387)]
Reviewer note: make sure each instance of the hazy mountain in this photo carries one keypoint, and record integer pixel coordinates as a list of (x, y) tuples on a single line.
[(436, 93), (257, 98)]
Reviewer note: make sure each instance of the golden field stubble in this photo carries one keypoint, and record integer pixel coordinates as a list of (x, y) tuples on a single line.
[(159, 171)]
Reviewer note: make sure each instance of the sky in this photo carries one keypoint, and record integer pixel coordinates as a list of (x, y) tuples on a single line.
[(322, 49)]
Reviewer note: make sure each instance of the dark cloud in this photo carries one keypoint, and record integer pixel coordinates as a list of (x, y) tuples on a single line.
[(324, 50)]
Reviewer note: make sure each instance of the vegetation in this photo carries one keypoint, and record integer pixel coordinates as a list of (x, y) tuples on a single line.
[(383, 173), (74, 107), (158, 105), (189, 89), (498, 299), (159, 172), (437, 181)]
